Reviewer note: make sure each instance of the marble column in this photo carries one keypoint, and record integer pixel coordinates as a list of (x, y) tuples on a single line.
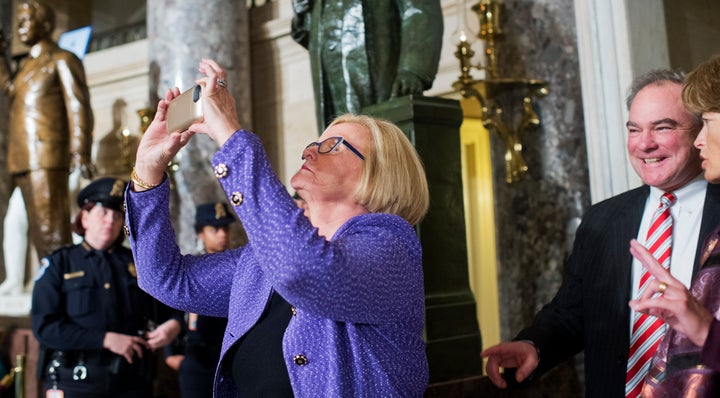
[(536, 217), (180, 33)]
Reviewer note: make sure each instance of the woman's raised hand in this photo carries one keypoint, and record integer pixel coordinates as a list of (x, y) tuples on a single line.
[(220, 115), (157, 148)]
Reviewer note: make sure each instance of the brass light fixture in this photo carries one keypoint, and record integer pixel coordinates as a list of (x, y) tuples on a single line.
[(485, 91)]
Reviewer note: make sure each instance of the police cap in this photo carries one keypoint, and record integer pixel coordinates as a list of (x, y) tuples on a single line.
[(106, 191), (215, 214)]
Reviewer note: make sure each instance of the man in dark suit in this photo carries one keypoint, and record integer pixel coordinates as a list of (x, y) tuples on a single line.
[(590, 311)]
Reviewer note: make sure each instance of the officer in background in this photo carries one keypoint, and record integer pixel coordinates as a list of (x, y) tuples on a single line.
[(96, 328), (196, 354)]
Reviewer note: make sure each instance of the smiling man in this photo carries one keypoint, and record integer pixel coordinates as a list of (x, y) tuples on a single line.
[(590, 311)]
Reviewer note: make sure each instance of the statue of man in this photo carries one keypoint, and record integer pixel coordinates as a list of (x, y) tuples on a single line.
[(363, 52), (50, 126)]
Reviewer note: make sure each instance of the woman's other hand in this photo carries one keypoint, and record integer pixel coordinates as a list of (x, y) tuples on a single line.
[(667, 298)]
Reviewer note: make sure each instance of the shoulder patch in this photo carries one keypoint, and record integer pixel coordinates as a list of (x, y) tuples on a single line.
[(44, 264)]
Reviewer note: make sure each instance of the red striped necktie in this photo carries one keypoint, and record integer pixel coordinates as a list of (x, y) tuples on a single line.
[(647, 330)]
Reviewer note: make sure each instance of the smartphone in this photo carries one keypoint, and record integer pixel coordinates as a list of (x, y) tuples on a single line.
[(185, 110)]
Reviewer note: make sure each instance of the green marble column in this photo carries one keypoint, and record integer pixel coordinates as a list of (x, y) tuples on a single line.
[(451, 330)]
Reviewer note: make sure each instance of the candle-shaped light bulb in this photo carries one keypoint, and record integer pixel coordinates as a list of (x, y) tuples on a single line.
[(463, 33)]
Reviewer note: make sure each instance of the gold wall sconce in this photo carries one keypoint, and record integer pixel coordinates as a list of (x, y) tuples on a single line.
[(486, 91)]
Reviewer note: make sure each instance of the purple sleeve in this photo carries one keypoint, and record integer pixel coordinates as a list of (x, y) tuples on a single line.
[(199, 284), (710, 354)]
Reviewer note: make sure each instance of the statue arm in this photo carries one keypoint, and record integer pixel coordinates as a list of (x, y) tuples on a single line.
[(79, 112), (421, 31), (5, 76)]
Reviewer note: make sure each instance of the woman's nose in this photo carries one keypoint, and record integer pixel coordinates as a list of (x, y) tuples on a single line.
[(309, 152)]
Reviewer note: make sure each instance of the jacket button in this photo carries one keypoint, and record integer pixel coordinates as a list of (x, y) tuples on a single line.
[(300, 360), (293, 310), (221, 170), (126, 230), (236, 198)]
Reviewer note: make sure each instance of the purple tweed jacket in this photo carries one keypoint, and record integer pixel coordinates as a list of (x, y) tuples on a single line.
[(359, 297)]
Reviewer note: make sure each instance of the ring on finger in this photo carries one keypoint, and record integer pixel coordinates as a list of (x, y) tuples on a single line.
[(662, 286), (222, 82)]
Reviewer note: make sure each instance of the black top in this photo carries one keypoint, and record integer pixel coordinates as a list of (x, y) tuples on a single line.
[(258, 367)]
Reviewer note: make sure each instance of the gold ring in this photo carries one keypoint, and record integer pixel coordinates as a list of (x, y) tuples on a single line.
[(661, 287)]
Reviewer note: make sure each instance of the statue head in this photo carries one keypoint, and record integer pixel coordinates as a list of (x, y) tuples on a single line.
[(35, 22)]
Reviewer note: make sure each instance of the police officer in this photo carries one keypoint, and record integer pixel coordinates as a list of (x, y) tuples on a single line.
[(197, 353), (96, 328)]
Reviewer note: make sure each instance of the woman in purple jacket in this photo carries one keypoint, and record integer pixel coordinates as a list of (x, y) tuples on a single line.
[(328, 305)]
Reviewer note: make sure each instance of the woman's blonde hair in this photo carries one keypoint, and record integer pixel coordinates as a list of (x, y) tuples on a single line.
[(701, 92), (393, 179)]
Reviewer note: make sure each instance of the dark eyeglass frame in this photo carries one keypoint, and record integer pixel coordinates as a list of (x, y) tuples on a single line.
[(319, 144)]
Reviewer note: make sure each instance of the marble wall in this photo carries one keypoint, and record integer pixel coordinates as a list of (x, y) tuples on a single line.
[(537, 216)]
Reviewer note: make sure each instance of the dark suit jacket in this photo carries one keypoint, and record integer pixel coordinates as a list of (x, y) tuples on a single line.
[(590, 310)]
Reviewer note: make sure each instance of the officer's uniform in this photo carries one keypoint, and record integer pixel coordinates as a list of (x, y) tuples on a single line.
[(202, 335), (79, 295)]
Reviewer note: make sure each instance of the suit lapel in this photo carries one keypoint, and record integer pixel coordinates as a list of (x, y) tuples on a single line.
[(626, 227)]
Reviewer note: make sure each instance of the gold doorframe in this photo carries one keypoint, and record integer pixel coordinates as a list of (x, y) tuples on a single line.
[(480, 221)]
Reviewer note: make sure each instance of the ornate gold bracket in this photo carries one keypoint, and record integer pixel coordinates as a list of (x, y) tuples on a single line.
[(485, 91)]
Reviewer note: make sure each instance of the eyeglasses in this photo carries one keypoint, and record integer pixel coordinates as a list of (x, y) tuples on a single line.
[(329, 144)]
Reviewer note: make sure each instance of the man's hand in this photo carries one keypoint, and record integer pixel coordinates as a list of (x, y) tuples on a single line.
[(516, 354)]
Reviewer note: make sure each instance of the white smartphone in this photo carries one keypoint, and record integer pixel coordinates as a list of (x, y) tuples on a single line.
[(185, 110)]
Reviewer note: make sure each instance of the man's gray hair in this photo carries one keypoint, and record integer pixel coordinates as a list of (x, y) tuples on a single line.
[(653, 77)]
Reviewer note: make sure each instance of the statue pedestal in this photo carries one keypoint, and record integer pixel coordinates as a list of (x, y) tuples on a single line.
[(451, 328), (15, 305)]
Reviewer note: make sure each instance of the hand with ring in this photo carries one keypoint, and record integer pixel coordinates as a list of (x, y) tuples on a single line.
[(220, 115), (674, 304)]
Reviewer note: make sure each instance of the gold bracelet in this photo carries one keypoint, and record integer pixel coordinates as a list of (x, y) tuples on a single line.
[(140, 182)]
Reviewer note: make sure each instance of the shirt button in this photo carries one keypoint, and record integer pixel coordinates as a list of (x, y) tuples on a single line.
[(221, 170), (126, 230), (300, 360), (236, 198)]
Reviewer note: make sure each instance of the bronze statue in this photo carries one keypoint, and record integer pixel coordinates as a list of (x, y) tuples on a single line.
[(51, 123), (364, 52)]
